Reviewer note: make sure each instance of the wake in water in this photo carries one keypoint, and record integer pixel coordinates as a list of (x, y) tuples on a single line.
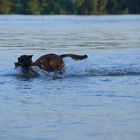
[(88, 68), (74, 69)]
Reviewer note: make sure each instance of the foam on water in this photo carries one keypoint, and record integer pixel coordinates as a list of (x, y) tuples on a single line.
[(77, 68)]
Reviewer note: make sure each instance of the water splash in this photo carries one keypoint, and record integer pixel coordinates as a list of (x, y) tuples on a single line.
[(88, 68), (77, 68)]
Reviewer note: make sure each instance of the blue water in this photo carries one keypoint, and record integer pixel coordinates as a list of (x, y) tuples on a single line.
[(97, 98)]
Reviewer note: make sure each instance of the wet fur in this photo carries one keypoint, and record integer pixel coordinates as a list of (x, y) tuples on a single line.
[(48, 62)]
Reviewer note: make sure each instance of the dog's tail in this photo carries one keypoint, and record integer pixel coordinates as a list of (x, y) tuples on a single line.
[(73, 56)]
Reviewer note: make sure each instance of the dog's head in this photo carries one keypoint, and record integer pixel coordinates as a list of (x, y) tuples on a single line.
[(24, 61)]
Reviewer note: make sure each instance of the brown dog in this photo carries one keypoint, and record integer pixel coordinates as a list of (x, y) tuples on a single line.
[(48, 62)]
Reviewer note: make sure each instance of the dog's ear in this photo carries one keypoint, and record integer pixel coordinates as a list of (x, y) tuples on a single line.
[(30, 56)]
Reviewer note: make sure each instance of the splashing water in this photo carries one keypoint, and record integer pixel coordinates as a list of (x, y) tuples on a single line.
[(78, 68)]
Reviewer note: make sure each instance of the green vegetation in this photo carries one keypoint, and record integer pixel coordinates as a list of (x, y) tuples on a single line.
[(80, 7)]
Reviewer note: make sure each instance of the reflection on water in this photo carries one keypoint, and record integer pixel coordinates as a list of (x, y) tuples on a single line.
[(97, 98)]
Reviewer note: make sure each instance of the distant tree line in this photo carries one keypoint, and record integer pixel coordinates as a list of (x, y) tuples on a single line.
[(80, 7)]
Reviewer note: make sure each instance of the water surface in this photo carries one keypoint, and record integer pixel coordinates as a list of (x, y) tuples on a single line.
[(97, 98)]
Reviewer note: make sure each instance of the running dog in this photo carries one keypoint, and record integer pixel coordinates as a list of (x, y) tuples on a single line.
[(48, 62)]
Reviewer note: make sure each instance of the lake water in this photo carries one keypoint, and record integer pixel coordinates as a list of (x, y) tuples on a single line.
[(95, 99)]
